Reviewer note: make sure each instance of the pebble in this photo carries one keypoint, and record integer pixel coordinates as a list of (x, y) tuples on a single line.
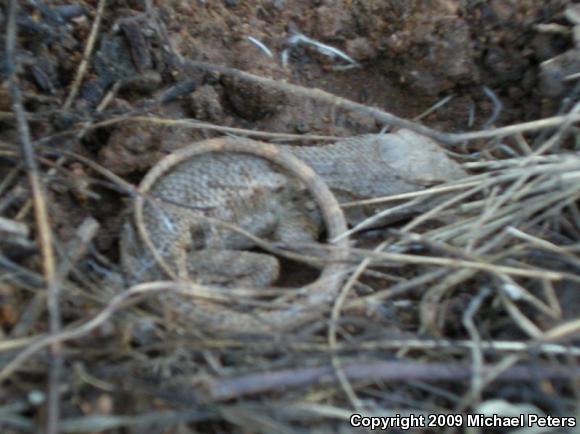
[(573, 14)]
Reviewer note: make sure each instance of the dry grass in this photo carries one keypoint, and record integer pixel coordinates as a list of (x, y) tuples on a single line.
[(477, 294)]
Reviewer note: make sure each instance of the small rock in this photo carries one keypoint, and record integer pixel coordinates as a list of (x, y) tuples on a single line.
[(253, 101), (144, 83), (131, 147), (41, 77), (92, 91), (573, 13), (206, 104), (361, 49), (112, 61), (331, 22), (68, 12)]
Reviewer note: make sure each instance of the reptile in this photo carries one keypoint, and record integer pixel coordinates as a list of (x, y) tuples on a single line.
[(281, 193)]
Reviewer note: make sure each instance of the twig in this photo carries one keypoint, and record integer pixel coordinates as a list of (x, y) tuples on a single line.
[(476, 353), (399, 371), (194, 124), (489, 346), (82, 69), (332, 341), (569, 119), (562, 331), (497, 107), (260, 45), (13, 228), (434, 107), (57, 338), (449, 188), (379, 257), (77, 247), (327, 50), (491, 374), (378, 114), (42, 221), (27, 277)]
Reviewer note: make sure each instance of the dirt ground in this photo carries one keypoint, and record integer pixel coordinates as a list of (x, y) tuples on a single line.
[(478, 64), (412, 56)]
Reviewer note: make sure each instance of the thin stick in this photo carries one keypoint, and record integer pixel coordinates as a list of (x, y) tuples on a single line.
[(332, 341), (378, 114), (402, 371), (194, 124), (81, 71), (42, 222), (114, 305), (61, 336), (434, 108), (476, 353)]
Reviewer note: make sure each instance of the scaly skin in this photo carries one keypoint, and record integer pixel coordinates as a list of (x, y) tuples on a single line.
[(260, 188), (211, 315)]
